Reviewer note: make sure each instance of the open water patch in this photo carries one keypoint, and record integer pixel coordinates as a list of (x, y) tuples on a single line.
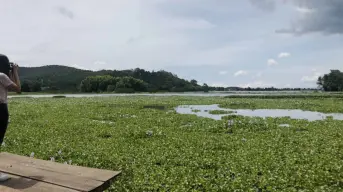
[(204, 111)]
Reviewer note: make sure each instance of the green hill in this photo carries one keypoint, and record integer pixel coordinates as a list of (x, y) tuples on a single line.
[(68, 79)]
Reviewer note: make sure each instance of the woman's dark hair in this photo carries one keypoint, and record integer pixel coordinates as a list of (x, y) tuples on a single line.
[(4, 65)]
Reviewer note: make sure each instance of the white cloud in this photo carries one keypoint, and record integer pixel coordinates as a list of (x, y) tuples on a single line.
[(219, 85), (182, 23), (125, 34), (287, 86), (240, 72), (317, 74), (257, 75), (96, 67), (271, 62), (222, 72), (304, 10), (311, 78), (257, 84), (80, 67), (100, 63), (284, 54)]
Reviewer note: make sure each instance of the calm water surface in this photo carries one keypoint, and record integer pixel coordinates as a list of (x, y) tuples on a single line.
[(203, 111)]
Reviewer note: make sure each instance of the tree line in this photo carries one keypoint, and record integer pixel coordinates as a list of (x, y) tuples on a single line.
[(107, 83), (258, 89), (127, 84), (56, 78)]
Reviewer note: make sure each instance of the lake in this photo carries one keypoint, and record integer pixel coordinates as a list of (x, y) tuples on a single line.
[(204, 111)]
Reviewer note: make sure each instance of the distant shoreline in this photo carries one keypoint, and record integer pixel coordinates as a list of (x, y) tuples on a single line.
[(162, 92), (224, 94)]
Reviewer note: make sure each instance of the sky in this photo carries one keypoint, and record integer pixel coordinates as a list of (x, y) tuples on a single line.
[(256, 43)]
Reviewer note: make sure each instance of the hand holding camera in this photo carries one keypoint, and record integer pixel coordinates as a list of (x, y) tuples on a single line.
[(14, 67), (14, 75)]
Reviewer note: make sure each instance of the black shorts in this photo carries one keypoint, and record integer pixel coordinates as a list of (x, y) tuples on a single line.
[(3, 121)]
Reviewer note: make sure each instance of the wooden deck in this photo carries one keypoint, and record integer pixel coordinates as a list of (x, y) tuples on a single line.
[(35, 175)]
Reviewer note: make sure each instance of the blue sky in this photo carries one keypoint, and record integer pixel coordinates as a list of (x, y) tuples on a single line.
[(256, 43)]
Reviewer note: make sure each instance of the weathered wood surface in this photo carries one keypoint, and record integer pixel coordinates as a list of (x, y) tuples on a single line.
[(7, 189), (20, 184), (31, 175)]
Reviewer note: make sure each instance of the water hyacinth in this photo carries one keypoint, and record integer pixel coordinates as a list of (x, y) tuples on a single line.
[(149, 133), (284, 125), (67, 162), (160, 151), (230, 122)]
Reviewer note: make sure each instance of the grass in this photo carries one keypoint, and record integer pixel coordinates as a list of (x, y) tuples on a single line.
[(159, 150)]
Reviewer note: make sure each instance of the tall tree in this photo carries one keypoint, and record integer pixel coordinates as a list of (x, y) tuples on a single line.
[(332, 81)]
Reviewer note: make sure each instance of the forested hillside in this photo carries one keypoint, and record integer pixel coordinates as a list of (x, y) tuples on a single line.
[(57, 78), (68, 79)]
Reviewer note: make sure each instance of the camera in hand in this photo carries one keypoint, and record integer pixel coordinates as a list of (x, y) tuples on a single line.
[(11, 66)]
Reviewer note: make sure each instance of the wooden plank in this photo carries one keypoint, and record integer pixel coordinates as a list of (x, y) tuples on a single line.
[(73, 182), (92, 173), (74, 177), (21, 184), (7, 189)]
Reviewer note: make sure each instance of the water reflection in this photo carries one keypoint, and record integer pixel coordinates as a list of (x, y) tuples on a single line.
[(204, 111)]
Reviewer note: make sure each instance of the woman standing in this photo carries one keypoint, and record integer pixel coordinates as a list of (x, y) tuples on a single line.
[(9, 81)]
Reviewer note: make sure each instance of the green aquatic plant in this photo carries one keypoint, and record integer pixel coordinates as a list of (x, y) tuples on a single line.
[(218, 112), (161, 150), (196, 110)]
